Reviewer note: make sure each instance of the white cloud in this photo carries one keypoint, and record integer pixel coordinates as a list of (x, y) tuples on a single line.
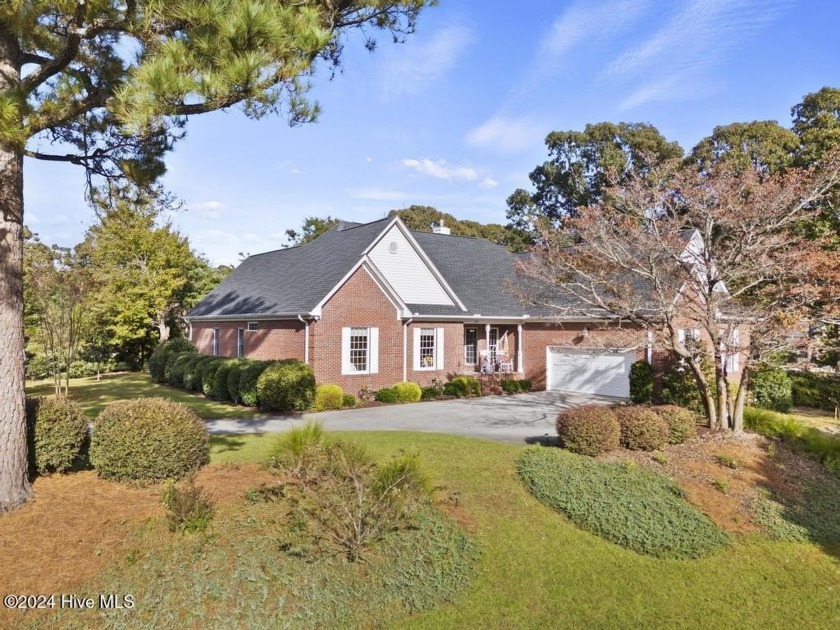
[(441, 170), (489, 183), (295, 171), (691, 43), (208, 209), (369, 160), (376, 194), (506, 134), (414, 66)]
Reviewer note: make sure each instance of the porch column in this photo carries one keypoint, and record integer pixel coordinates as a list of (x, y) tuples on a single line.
[(487, 364), (519, 367)]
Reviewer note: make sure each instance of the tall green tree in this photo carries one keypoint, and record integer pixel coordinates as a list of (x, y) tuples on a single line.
[(576, 173), (311, 229), (763, 145), (112, 82), (421, 218)]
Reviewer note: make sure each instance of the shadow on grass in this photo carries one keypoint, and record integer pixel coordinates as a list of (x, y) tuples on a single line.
[(808, 509), (233, 443)]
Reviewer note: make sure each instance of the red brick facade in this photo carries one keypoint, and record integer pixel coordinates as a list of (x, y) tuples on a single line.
[(361, 302)]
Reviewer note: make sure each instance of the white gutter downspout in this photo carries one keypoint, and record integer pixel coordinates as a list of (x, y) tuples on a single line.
[(650, 347), (405, 348), (306, 339), (519, 366)]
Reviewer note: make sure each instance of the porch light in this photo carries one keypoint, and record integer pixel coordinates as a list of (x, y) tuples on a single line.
[(585, 331)]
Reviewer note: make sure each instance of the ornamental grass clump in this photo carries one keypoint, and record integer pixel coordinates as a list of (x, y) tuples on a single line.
[(642, 429), (148, 439), (57, 433), (588, 430)]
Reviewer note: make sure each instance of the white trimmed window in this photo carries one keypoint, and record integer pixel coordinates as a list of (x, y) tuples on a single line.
[(252, 326), (470, 345), (215, 342), (692, 334), (240, 342), (359, 350), (733, 357), (428, 348)]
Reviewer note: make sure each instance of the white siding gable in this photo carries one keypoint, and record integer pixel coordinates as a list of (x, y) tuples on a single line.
[(405, 271)]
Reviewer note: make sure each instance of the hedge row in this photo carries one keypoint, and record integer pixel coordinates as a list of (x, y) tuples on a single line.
[(287, 385)]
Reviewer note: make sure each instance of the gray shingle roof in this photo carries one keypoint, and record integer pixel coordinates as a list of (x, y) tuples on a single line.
[(293, 280)]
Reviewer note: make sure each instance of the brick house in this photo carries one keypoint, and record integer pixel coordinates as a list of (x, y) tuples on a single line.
[(369, 305)]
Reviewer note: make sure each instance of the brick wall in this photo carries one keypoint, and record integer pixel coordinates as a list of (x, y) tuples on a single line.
[(538, 336), (273, 339), (359, 302)]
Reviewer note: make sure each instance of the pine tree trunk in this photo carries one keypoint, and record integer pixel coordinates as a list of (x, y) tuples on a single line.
[(14, 480)]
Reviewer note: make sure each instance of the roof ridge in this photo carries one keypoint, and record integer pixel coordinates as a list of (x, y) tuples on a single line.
[(472, 238)]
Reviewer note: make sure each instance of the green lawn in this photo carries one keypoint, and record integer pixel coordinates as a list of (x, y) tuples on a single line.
[(94, 395), (539, 571)]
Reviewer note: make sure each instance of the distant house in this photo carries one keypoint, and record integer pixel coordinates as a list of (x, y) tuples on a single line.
[(368, 305)]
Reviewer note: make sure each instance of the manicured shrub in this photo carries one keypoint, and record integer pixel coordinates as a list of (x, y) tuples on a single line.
[(408, 392), (328, 397), (188, 508), (429, 393), (287, 385), (818, 391), (348, 400), (235, 379), (158, 360), (510, 386), (772, 389), (190, 372), (176, 368), (198, 372), (525, 385), (248, 378), (148, 439), (641, 382), (208, 374), (57, 432), (642, 429), (638, 509), (387, 395), (463, 387), (588, 430), (220, 391), (682, 423)]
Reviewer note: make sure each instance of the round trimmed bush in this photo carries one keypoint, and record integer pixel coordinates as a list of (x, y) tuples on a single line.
[(463, 387), (148, 439), (588, 430), (772, 389), (160, 356), (510, 386), (235, 378), (176, 368), (328, 397), (408, 391), (641, 382), (208, 374), (642, 429), (525, 385), (287, 385), (387, 395), (220, 391), (248, 379), (197, 381), (348, 400), (57, 431), (682, 423), (190, 370)]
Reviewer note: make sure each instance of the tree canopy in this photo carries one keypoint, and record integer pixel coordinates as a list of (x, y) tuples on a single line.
[(576, 173)]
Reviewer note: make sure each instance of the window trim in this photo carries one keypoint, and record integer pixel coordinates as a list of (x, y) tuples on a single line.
[(474, 344), (252, 326), (438, 349), (215, 342), (240, 342), (347, 368)]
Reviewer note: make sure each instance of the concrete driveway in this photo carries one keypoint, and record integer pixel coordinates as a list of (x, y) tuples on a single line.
[(524, 418)]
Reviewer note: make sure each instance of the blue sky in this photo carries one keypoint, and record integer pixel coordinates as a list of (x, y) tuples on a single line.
[(455, 118)]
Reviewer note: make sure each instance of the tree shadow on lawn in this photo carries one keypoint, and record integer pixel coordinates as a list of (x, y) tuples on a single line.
[(233, 443), (805, 506)]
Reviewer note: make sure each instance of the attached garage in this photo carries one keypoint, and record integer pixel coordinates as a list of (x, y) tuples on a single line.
[(600, 372)]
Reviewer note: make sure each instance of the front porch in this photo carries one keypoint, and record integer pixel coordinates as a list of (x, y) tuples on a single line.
[(493, 349)]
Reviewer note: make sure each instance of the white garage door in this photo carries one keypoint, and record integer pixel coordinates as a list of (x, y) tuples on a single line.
[(593, 372)]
